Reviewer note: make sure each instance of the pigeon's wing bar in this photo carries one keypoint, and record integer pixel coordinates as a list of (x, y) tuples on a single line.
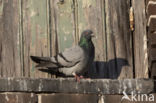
[(70, 56)]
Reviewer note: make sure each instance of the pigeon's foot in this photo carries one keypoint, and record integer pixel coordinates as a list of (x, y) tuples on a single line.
[(77, 77), (81, 77)]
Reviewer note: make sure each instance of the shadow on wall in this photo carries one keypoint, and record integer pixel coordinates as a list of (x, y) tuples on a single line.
[(110, 69), (100, 69)]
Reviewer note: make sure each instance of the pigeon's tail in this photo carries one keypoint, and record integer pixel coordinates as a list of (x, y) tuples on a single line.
[(40, 59), (43, 62)]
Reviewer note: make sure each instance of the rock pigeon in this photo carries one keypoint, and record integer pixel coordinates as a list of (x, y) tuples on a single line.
[(74, 61)]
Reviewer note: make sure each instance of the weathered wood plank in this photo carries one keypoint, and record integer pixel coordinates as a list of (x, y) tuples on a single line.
[(140, 40), (10, 63), (118, 99), (35, 34), (119, 39), (69, 85), (18, 98), (63, 27), (151, 9), (90, 15), (152, 24), (67, 98), (114, 99)]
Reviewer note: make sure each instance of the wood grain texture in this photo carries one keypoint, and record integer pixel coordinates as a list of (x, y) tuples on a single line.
[(69, 85), (91, 16), (35, 34), (68, 98), (46, 27), (18, 98), (10, 64), (140, 40), (119, 39), (62, 17)]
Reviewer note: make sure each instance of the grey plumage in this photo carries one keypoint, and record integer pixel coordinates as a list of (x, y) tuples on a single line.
[(74, 60)]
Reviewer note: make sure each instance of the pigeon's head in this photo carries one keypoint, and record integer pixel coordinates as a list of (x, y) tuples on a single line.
[(87, 34)]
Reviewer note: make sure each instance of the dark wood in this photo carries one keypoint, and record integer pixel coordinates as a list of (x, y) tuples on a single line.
[(69, 85), (152, 39), (152, 54), (153, 69), (151, 17), (147, 1), (68, 98), (140, 40), (152, 24), (151, 9), (18, 98), (115, 99), (119, 39)]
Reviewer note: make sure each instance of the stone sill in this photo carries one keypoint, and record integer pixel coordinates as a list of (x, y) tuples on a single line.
[(69, 85)]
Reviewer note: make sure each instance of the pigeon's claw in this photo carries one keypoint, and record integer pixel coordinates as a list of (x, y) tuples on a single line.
[(81, 77), (77, 77)]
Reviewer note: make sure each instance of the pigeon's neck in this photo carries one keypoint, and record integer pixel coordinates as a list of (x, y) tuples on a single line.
[(84, 43)]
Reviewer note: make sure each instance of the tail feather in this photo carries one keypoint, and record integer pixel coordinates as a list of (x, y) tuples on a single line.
[(47, 64), (44, 62), (40, 59)]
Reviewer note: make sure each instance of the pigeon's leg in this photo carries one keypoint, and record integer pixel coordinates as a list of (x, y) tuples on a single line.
[(82, 77), (76, 77)]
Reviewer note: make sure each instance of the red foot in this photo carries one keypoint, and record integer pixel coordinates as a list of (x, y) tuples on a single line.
[(79, 77)]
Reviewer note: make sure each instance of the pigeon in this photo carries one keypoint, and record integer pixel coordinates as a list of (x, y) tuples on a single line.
[(74, 61)]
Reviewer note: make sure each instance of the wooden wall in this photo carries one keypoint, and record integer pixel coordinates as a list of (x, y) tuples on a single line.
[(151, 23), (46, 27)]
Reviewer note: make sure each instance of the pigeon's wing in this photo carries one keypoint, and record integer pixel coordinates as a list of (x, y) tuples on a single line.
[(44, 62), (68, 58)]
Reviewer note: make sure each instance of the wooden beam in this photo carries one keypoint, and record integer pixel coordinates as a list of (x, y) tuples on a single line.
[(69, 85), (140, 39), (119, 39), (10, 38)]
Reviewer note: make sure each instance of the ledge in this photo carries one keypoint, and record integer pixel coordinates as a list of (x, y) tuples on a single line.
[(69, 85)]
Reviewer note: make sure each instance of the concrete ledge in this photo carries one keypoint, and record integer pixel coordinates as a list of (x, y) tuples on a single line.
[(69, 85)]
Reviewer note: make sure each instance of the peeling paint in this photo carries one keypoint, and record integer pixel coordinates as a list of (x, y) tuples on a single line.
[(88, 3), (17, 99), (32, 95), (40, 85), (101, 99), (6, 97), (23, 84)]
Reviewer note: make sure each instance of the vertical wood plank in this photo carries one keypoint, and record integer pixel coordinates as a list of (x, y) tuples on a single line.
[(35, 34), (10, 63), (140, 39), (119, 39), (91, 16), (63, 26)]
